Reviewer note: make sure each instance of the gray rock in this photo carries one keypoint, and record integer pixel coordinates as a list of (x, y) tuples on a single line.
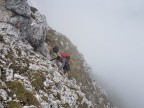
[(1, 106), (7, 29), (38, 30), (2, 3), (23, 24), (28, 25), (33, 30), (3, 94), (21, 7), (5, 15), (43, 49)]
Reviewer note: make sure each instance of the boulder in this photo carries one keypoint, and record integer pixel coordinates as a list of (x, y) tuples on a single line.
[(21, 7), (31, 25)]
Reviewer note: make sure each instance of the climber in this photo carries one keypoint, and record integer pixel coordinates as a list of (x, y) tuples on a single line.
[(64, 59)]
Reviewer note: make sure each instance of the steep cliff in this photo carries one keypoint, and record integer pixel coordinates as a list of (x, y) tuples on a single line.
[(28, 79)]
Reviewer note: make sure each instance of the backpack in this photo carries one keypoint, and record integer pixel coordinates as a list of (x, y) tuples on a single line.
[(64, 55), (55, 49), (67, 56)]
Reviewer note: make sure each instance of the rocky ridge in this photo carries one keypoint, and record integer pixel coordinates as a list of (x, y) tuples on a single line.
[(28, 78)]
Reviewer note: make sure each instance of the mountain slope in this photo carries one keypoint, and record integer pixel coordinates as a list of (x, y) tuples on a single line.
[(28, 79), (80, 70)]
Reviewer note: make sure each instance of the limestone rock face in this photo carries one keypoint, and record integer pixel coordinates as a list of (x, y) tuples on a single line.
[(28, 79), (5, 14), (7, 29), (37, 30), (22, 24), (43, 49), (27, 22), (21, 7)]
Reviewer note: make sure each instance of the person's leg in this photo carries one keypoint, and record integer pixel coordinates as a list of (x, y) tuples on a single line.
[(67, 68), (64, 69)]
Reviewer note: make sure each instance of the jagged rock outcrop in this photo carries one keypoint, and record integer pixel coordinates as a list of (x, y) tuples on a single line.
[(27, 73), (29, 23), (28, 78), (21, 7)]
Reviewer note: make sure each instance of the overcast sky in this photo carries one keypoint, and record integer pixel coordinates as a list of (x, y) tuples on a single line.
[(110, 35)]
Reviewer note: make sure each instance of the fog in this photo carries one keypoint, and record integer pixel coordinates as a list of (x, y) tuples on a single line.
[(110, 35)]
